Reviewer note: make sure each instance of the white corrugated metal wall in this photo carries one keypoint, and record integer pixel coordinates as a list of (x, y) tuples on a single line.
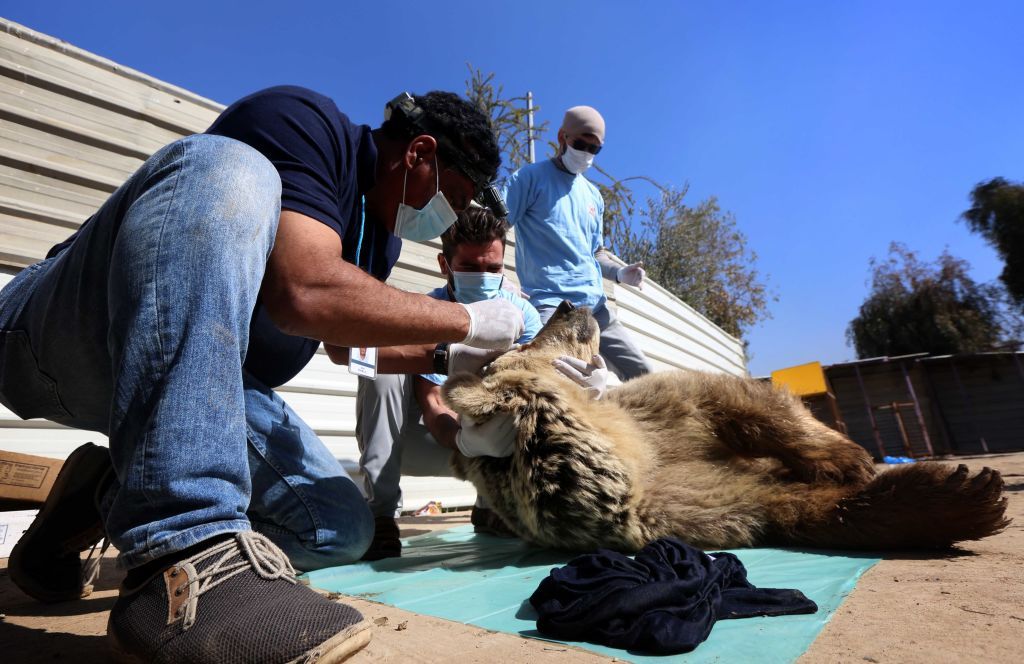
[(73, 126)]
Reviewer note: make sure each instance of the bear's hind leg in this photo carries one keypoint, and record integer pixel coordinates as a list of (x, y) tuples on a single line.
[(756, 420)]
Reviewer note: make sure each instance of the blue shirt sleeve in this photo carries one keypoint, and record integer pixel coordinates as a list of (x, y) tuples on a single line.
[(515, 194), (531, 320), (436, 379), (599, 237)]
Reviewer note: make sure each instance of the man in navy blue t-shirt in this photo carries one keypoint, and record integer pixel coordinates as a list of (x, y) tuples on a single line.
[(209, 278)]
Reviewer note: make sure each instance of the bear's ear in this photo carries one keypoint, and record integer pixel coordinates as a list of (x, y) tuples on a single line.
[(466, 394), (506, 392)]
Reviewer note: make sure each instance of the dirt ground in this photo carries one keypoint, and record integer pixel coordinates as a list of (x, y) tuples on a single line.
[(967, 606)]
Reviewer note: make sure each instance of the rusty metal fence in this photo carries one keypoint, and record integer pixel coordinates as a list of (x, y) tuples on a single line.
[(924, 406)]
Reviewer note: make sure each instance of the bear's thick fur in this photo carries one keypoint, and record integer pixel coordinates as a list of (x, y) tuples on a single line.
[(715, 460)]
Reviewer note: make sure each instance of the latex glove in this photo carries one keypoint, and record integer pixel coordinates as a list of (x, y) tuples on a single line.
[(631, 275), (494, 438), (510, 286), (592, 376), (495, 323), (466, 358)]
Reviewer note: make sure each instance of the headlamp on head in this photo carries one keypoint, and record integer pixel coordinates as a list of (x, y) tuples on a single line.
[(404, 111)]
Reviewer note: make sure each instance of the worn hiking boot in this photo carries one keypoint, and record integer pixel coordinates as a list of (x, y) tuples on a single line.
[(486, 521), (46, 562), (235, 601), (386, 542)]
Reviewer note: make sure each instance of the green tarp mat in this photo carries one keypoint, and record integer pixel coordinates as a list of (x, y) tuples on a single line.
[(487, 581)]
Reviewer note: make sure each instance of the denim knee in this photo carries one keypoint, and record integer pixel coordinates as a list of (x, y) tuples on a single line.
[(350, 540), (241, 186), (342, 542)]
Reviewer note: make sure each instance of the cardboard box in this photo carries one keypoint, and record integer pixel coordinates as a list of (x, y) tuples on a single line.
[(25, 477), (12, 525)]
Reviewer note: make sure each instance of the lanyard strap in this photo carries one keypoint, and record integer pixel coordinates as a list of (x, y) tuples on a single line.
[(362, 230), (362, 227)]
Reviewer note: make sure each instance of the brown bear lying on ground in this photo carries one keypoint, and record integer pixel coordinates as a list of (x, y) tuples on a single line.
[(715, 460)]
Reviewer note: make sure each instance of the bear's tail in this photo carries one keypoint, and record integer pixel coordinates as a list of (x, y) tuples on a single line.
[(917, 506)]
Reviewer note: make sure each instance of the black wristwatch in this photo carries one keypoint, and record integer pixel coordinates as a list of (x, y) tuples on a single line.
[(441, 359)]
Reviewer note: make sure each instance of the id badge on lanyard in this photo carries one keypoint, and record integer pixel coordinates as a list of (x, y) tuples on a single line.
[(363, 362)]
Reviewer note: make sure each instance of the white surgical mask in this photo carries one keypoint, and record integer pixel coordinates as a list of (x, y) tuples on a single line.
[(429, 221), (576, 161)]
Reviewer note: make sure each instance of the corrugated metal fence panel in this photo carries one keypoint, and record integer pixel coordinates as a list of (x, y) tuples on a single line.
[(673, 335), (884, 384), (957, 408), (969, 404), (987, 404), (74, 126)]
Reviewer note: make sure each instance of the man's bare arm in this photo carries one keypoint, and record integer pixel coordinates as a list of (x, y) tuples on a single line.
[(392, 359), (310, 291), (441, 421)]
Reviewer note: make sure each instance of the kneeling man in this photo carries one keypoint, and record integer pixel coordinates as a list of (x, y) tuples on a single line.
[(403, 426)]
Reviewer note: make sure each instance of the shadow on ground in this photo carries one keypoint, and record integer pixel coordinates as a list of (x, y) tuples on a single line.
[(29, 645)]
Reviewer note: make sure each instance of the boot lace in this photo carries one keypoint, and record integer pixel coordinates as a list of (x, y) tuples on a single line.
[(247, 550), (91, 567)]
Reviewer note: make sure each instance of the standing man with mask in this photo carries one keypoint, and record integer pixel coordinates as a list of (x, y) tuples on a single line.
[(557, 215), (403, 425), (210, 277)]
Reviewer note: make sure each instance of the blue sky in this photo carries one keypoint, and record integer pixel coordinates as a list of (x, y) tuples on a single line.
[(828, 128)]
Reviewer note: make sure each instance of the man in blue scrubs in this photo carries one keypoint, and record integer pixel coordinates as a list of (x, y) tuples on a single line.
[(557, 214), (403, 425), (209, 278)]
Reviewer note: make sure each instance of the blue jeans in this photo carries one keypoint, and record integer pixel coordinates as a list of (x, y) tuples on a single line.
[(138, 330)]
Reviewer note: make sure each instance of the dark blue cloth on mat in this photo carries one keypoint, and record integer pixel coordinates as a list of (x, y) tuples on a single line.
[(665, 600)]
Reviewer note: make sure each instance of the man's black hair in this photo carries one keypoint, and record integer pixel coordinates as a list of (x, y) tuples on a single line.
[(474, 225), (459, 123)]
